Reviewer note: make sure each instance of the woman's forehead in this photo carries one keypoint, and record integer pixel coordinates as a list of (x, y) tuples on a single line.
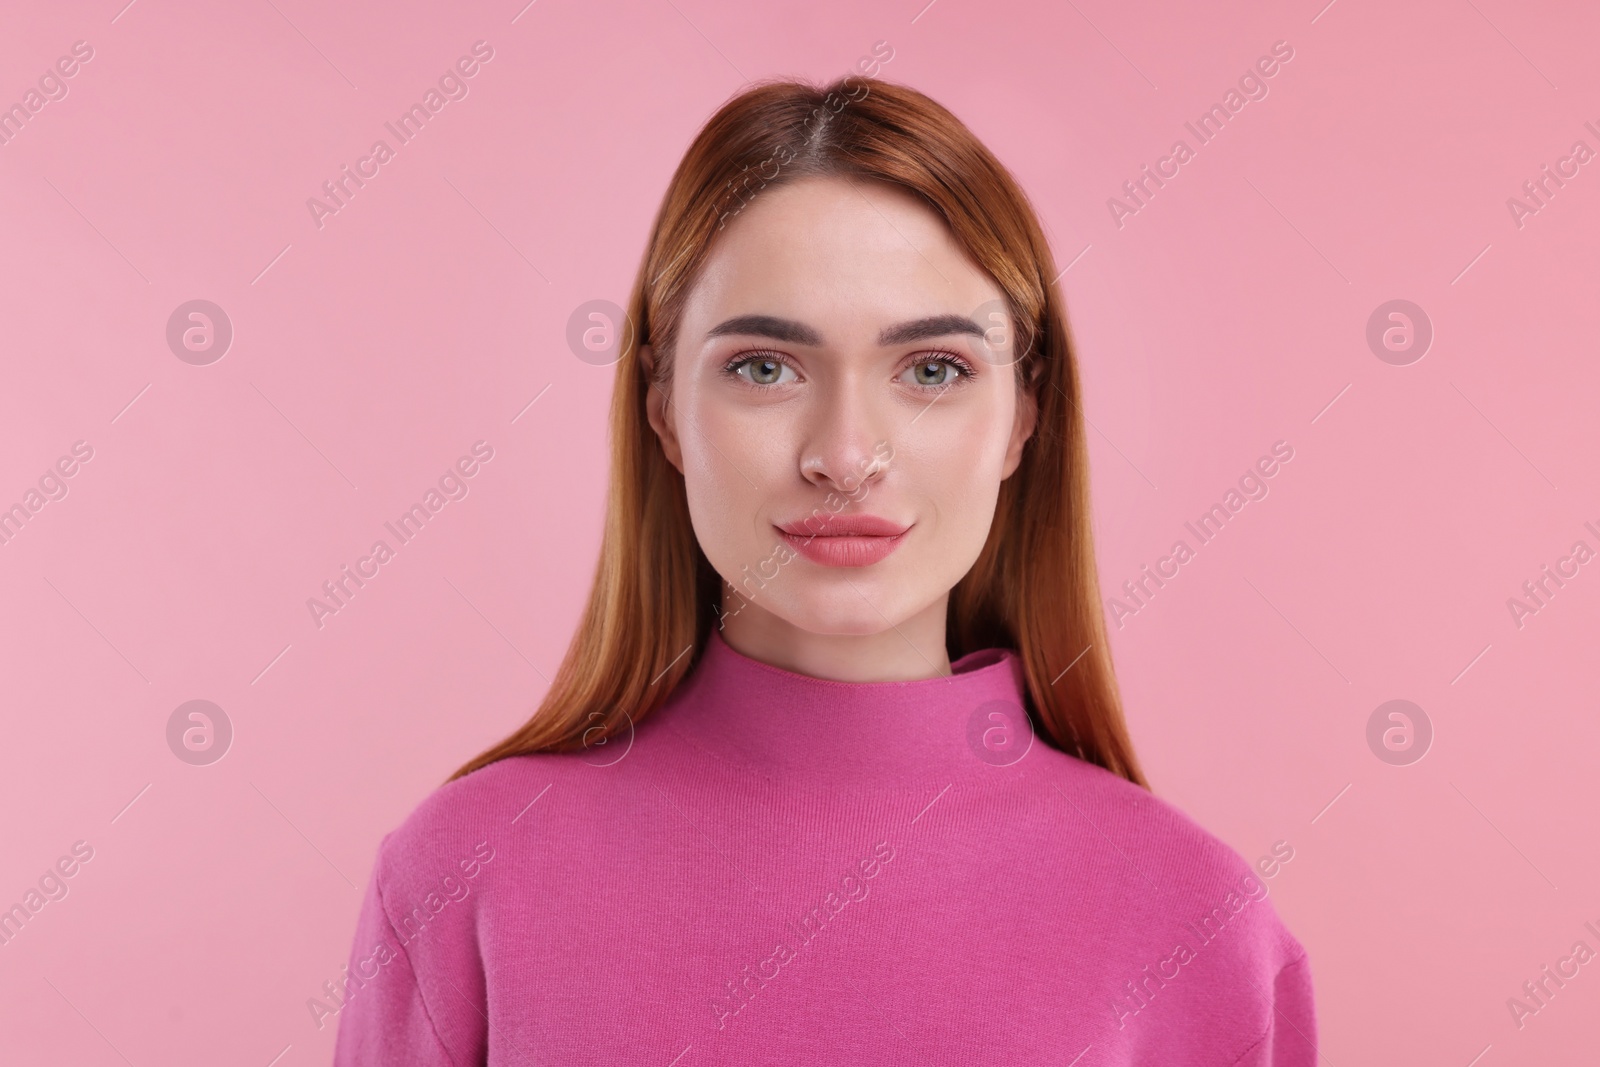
[(819, 251)]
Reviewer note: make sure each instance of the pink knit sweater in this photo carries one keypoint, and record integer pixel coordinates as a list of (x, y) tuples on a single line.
[(778, 869)]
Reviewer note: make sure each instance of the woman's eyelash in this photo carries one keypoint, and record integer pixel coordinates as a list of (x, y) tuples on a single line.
[(733, 365), (932, 355), (941, 355)]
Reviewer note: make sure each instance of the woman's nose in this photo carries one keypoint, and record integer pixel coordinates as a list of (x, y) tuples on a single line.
[(845, 438)]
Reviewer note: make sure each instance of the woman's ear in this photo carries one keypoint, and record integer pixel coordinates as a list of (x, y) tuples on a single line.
[(1026, 417), (658, 407)]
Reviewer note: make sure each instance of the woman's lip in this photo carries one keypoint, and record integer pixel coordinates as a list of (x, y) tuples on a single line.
[(849, 524), (844, 551)]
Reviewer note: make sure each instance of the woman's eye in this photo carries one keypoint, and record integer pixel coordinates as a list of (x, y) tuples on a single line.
[(763, 371), (934, 372), (767, 371)]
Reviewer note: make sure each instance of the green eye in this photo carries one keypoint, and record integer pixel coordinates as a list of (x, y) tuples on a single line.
[(940, 372), (760, 370), (765, 371)]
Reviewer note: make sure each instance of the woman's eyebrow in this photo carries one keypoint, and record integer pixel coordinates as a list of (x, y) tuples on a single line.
[(798, 333)]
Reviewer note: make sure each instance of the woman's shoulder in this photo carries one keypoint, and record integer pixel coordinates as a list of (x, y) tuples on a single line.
[(465, 823), (1149, 827), (1171, 864)]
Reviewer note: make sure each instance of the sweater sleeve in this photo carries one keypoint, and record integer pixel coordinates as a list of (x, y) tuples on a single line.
[(1291, 1040), (385, 1019)]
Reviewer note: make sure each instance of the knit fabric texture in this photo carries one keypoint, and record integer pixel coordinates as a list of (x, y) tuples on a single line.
[(778, 869)]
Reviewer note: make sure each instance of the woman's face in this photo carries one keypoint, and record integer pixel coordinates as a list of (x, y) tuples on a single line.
[(831, 369)]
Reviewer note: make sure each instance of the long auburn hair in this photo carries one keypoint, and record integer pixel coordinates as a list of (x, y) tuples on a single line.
[(1034, 587)]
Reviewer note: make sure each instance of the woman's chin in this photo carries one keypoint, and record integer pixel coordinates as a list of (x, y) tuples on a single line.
[(860, 614)]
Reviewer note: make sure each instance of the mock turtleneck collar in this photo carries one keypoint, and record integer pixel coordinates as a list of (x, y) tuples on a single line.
[(793, 728)]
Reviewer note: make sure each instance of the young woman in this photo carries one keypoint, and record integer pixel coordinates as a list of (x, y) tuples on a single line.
[(834, 770)]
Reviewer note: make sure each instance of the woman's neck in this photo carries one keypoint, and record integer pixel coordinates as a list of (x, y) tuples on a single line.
[(906, 651), (809, 733)]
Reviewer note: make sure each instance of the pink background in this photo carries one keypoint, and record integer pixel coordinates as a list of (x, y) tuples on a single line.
[(369, 354)]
